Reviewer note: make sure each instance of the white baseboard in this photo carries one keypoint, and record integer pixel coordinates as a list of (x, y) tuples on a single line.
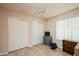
[(4, 53)]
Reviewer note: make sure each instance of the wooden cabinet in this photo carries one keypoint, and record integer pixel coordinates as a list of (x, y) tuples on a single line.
[(77, 50), (69, 46)]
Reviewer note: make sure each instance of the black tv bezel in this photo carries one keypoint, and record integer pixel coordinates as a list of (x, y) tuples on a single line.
[(47, 33)]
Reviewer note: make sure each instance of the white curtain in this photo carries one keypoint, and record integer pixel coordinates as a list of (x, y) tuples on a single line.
[(68, 29)]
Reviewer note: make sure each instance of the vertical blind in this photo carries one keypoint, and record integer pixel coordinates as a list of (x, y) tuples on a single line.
[(68, 29)]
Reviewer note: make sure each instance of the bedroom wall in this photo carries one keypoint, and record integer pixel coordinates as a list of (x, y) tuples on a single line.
[(51, 23), (4, 14)]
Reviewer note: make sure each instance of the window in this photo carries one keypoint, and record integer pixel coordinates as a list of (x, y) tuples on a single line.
[(68, 29)]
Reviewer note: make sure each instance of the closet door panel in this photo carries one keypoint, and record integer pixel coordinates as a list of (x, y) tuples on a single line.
[(38, 32), (35, 33), (11, 25), (21, 34), (18, 33), (41, 32)]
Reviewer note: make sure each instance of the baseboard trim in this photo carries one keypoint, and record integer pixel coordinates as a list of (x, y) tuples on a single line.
[(4, 53)]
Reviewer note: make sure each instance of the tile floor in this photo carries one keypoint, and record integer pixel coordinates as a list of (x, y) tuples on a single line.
[(38, 50)]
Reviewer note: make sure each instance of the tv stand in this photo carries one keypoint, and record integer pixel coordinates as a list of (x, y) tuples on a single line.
[(47, 40)]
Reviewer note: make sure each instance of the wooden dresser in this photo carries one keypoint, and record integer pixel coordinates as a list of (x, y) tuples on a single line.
[(69, 46), (77, 50)]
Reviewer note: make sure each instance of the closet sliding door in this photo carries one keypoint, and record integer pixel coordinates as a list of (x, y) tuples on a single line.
[(18, 33), (38, 32)]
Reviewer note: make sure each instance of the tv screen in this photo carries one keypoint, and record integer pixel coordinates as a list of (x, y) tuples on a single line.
[(47, 33)]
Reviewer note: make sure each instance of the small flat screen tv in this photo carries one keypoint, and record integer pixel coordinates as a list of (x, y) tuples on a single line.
[(47, 33)]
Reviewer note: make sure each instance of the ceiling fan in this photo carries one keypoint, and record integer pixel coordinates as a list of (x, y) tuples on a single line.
[(40, 11)]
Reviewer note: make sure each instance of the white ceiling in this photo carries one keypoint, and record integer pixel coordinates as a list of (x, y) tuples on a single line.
[(33, 9)]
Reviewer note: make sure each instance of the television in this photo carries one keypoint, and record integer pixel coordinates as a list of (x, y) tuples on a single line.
[(47, 33)]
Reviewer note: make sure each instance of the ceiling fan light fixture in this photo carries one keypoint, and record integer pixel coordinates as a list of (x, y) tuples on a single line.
[(40, 11)]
